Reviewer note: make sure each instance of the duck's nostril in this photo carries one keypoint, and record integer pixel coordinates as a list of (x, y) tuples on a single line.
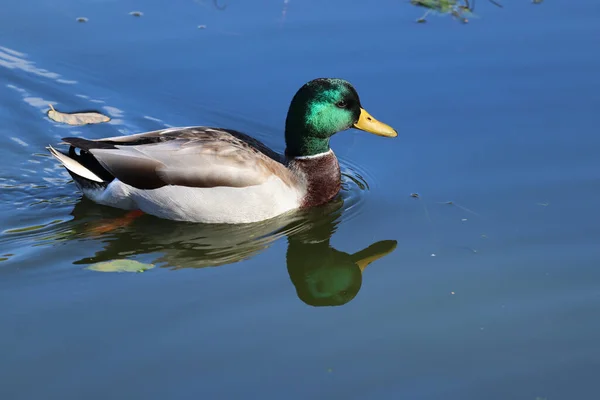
[(369, 118)]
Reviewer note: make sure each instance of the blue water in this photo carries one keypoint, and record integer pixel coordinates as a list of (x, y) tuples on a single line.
[(487, 285)]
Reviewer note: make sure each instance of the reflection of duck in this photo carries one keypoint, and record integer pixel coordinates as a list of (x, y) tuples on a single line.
[(321, 274), (214, 175), (324, 276), (174, 244)]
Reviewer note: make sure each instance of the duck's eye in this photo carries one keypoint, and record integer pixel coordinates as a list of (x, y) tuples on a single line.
[(341, 104)]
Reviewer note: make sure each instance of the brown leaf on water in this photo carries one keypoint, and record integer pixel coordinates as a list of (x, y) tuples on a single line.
[(81, 118)]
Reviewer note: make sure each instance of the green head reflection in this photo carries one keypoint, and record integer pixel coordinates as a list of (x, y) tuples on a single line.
[(324, 276)]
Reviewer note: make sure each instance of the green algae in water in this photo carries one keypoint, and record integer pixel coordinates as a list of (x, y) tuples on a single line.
[(441, 6), (122, 265), (444, 7), (459, 9)]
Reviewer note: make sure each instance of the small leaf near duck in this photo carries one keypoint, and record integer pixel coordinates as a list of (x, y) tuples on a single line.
[(81, 118)]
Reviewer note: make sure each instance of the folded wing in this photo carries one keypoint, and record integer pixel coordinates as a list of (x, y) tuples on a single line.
[(196, 157)]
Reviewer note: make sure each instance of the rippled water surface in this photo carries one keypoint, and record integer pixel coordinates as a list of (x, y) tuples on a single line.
[(482, 284)]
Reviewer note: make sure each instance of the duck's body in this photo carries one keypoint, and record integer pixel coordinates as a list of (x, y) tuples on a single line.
[(199, 174), (214, 175)]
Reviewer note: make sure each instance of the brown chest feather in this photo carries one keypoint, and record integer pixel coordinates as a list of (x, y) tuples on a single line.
[(323, 178)]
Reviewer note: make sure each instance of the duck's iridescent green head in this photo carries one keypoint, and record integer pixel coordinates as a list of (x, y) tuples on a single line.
[(321, 108)]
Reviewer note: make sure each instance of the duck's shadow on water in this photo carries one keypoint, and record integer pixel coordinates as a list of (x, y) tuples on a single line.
[(322, 275)]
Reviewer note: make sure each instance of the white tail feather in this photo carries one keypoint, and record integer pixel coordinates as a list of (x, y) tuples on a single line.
[(74, 166)]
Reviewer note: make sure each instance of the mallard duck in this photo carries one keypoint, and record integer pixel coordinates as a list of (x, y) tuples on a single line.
[(215, 175)]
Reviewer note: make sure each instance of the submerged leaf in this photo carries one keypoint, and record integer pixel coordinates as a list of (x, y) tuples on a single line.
[(82, 118), (123, 265)]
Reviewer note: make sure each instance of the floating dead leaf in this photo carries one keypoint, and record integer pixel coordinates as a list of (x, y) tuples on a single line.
[(81, 118), (136, 13), (123, 265), (82, 19)]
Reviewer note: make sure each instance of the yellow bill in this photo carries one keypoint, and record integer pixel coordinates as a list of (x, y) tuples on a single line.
[(369, 124), (373, 253)]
